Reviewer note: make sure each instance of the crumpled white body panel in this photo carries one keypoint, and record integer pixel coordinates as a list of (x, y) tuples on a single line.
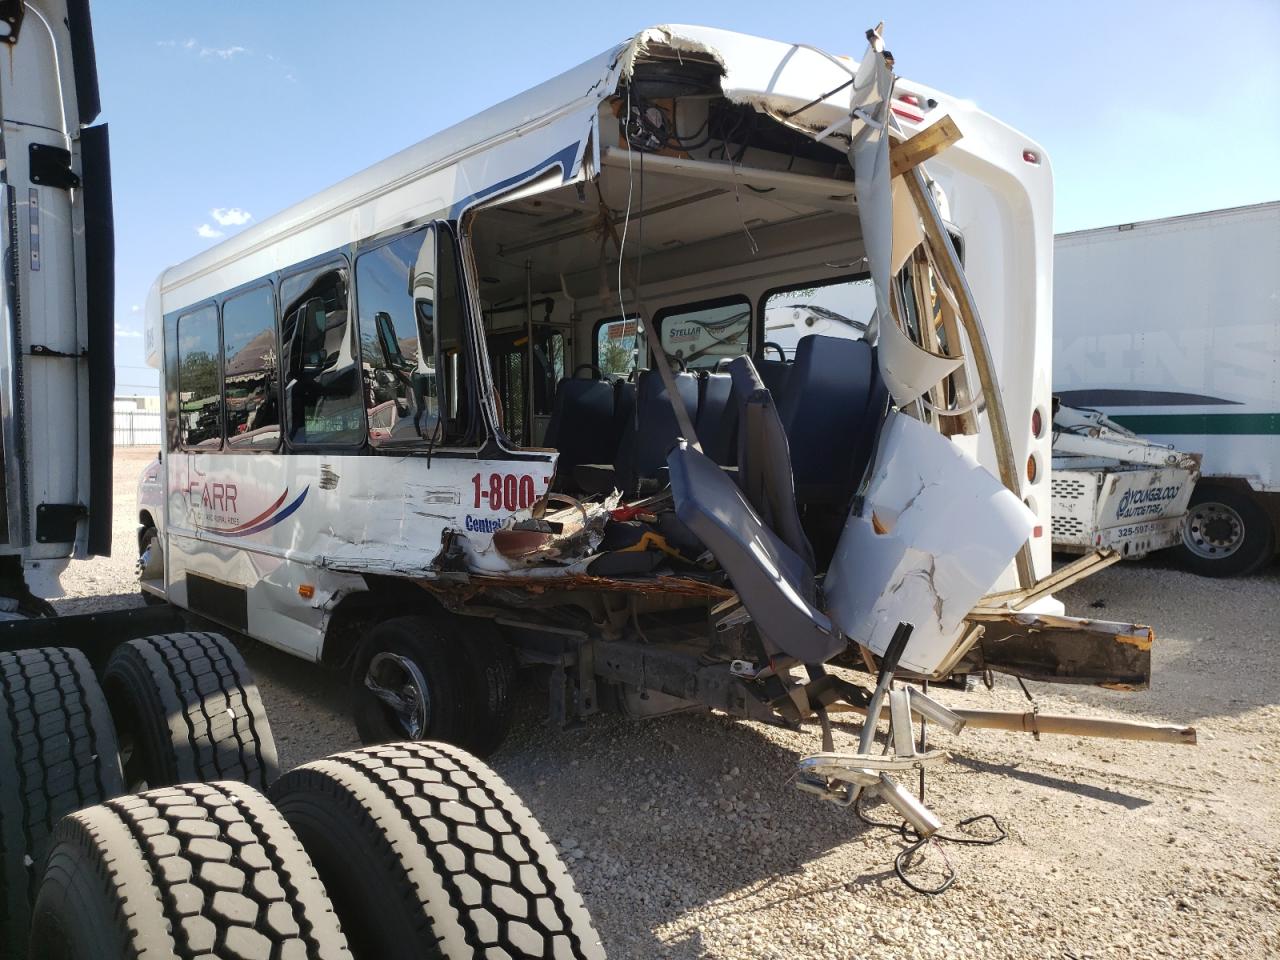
[(951, 530)]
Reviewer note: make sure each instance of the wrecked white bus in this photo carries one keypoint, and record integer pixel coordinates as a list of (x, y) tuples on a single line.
[(505, 397)]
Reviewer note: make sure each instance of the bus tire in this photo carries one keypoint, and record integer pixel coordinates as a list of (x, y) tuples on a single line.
[(188, 710), (427, 853), (193, 870), (413, 661), (1227, 533), (491, 669), (57, 754)]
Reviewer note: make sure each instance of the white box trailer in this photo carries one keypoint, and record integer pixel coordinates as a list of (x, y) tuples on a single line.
[(1172, 328)]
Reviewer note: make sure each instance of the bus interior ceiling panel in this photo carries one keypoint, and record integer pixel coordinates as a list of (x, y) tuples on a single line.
[(705, 217)]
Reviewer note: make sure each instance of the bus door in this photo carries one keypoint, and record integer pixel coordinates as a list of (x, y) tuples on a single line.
[(509, 353)]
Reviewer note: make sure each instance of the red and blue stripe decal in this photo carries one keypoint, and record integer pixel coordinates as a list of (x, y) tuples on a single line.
[(265, 520)]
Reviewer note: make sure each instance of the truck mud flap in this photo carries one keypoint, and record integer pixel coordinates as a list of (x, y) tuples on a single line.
[(100, 255), (1062, 649)]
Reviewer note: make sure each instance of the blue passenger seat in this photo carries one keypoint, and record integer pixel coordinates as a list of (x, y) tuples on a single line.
[(582, 425), (651, 431), (831, 408), (716, 418)]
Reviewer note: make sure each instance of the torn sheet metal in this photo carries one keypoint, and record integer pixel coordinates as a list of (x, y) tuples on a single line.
[(908, 370), (934, 534), (564, 537)]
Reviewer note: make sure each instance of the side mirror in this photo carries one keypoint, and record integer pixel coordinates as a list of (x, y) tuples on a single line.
[(388, 342)]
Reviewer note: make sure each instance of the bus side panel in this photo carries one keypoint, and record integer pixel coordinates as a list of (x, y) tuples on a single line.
[(294, 531)]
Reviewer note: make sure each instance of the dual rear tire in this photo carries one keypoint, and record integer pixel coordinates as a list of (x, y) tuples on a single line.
[(427, 853), (57, 754)]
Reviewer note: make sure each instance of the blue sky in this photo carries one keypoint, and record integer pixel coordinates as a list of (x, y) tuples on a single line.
[(223, 113)]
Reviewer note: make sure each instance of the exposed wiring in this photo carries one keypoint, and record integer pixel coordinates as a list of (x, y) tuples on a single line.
[(903, 861), (626, 223)]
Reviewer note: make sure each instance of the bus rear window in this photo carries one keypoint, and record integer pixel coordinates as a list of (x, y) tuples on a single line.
[(843, 309)]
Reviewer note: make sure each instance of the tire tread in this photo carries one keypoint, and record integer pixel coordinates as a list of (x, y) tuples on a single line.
[(431, 810), (177, 689), (218, 858), (58, 753)]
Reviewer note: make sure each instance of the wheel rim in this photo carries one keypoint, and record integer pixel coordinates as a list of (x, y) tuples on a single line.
[(399, 683), (144, 555), (1213, 531)]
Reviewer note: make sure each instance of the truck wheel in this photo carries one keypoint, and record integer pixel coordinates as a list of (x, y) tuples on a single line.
[(426, 852), (1226, 533), (187, 709), (57, 754), (433, 677), (195, 870)]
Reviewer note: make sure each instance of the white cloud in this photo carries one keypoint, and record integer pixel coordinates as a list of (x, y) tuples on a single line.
[(135, 308), (223, 53), (191, 44), (208, 232), (230, 216), (125, 332)]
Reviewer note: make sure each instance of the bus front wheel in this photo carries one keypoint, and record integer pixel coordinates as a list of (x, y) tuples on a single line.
[(433, 677)]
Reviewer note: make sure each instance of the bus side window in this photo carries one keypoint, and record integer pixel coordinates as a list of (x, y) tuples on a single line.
[(620, 347), (444, 372), (322, 392), (199, 389), (251, 370), (171, 403), (393, 372)]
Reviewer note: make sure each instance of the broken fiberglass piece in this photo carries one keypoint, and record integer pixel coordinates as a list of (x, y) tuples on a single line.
[(908, 370), (935, 532)]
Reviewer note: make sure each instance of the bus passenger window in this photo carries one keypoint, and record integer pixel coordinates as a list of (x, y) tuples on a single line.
[(322, 392), (394, 379), (702, 334), (199, 393), (251, 370), (620, 347)]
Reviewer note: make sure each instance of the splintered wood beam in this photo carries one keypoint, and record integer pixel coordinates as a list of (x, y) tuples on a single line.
[(929, 142)]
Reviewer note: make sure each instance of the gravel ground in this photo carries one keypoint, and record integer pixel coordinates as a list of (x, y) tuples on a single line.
[(687, 840)]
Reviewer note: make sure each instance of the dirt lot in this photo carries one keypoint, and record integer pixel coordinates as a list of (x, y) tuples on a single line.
[(687, 840)]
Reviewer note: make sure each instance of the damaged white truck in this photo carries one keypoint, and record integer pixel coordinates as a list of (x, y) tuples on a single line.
[(508, 396)]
